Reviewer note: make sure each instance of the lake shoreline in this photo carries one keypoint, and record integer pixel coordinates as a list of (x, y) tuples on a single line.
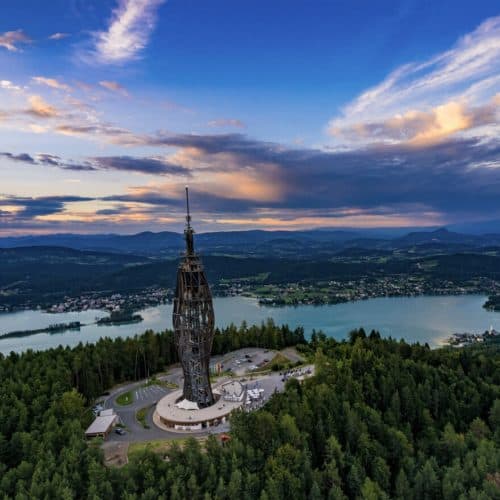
[(424, 319)]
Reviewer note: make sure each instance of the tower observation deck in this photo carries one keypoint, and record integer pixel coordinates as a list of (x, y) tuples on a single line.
[(193, 320)]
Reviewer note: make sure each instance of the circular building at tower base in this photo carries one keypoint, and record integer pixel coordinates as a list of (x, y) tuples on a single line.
[(175, 414)]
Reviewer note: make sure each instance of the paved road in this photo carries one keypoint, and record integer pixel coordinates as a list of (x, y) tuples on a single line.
[(147, 396)]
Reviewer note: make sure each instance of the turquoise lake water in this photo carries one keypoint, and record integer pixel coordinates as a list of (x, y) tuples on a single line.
[(417, 319)]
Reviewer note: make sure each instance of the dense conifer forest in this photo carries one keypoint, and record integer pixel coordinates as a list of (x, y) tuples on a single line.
[(380, 419)]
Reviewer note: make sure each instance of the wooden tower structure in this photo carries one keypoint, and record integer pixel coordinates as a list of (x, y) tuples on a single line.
[(193, 320)]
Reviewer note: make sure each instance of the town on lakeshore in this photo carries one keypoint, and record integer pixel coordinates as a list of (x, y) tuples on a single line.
[(466, 338)]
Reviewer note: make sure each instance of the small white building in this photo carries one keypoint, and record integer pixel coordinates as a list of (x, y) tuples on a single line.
[(103, 424)]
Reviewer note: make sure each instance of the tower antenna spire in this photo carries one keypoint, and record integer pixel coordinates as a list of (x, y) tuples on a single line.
[(188, 232), (188, 215)]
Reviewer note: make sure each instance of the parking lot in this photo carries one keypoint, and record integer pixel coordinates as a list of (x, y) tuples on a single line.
[(149, 394), (244, 361), (143, 397), (241, 363)]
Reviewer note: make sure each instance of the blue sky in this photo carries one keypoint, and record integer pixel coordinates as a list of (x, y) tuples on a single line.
[(282, 114)]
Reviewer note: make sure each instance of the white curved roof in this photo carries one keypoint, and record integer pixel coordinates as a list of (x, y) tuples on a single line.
[(185, 404)]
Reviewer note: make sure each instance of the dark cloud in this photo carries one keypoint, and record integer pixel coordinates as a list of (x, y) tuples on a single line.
[(453, 179), (113, 211), (24, 157), (155, 166), (458, 176), (45, 205), (47, 159), (56, 161), (216, 143), (50, 160)]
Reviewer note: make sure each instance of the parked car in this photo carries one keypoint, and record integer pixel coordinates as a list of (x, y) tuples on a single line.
[(120, 431)]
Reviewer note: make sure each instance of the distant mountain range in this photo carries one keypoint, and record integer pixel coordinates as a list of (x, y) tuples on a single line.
[(261, 243)]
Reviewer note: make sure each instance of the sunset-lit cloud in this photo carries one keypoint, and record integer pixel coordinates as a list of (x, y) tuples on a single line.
[(114, 87), (423, 126), (410, 104), (40, 108), (11, 40), (52, 83), (89, 147)]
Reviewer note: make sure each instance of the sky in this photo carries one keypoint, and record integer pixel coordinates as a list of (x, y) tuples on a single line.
[(278, 114)]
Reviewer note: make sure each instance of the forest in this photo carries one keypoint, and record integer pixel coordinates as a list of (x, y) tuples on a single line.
[(380, 419)]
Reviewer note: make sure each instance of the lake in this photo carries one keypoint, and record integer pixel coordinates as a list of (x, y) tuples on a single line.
[(417, 319)]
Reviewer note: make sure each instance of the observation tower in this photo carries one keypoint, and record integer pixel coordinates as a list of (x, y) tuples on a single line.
[(193, 320)]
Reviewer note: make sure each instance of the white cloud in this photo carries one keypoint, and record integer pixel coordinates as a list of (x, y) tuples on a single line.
[(8, 85), (131, 25), (52, 83), (58, 36), (11, 39), (468, 74)]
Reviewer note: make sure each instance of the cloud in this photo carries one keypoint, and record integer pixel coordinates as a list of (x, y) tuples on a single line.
[(447, 178), (49, 160), (434, 99), (58, 36), (144, 165), (113, 211), (52, 83), (421, 127), (56, 161), (23, 157), (128, 33), (11, 39), (40, 108), (30, 208), (152, 166), (226, 122), (114, 87), (241, 182), (8, 85), (106, 132)]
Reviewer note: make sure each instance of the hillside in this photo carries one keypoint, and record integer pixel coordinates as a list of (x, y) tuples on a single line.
[(42, 275), (298, 244)]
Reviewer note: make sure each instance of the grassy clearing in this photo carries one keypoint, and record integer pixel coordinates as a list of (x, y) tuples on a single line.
[(126, 398), (162, 383), (141, 416), (279, 362)]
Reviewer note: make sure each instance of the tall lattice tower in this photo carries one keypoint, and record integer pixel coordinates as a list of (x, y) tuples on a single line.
[(193, 320)]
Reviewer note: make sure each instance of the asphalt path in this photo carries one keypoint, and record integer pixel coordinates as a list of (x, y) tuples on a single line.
[(146, 396)]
